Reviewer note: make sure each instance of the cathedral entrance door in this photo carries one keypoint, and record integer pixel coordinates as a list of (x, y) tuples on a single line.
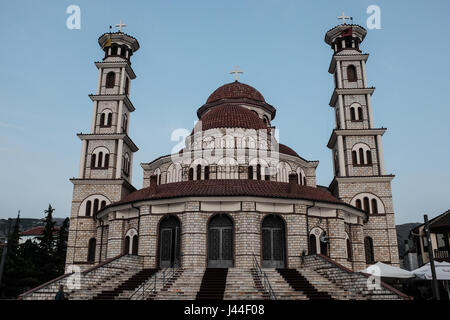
[(273, 242), (169, 239), (220, 242)]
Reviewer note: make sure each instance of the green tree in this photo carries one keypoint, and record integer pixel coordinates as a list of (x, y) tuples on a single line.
[(61, 246), (47, 246)]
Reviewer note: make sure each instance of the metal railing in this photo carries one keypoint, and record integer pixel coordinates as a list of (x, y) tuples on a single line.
[(441, 254), (264, 279), (158, 280)]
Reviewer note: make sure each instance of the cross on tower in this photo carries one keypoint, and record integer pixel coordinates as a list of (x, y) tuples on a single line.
[(236, 72), (343, 17), (120, 25)]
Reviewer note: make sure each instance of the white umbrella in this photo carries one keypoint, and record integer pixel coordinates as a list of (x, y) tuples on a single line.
[(385, 270), (442, 271)]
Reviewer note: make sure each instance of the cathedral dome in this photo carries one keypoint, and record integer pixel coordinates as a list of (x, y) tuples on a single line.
[(235, 90), (231, 116)]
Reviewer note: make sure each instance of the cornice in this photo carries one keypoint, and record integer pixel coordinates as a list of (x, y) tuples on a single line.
[(353, 132), (115, 64), (114, 97), (349, 57), (349, 91), (109, 136)]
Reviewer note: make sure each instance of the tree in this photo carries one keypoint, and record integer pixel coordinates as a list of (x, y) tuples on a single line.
[(47, 246), (61, 246)]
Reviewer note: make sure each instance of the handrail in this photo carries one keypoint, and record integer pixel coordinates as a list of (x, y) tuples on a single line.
[(266, 283), (166, 275)]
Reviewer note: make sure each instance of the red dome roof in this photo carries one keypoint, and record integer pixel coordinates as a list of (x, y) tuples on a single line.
[(231, 116), (235, 90)]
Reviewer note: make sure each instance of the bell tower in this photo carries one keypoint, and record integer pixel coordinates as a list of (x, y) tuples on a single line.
[(106, 153), (356, 144)]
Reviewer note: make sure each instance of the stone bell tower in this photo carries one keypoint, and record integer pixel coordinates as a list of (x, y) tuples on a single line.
[(360, 177), (106, 153)]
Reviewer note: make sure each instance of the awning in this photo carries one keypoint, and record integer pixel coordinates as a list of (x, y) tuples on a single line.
[(385, 270), (442, 271)]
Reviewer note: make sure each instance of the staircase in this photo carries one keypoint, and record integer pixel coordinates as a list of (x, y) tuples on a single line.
[(185, 287), (299, 283), (240, 285), (213, 284), (127, 286)]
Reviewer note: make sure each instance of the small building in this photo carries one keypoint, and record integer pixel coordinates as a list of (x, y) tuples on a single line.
[(35, 234), (439, 233)]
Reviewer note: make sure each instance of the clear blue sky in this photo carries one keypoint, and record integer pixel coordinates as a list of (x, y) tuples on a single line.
[(187, 50)]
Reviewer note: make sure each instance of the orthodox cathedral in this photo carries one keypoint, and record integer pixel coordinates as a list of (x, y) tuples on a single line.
[(234, 200)]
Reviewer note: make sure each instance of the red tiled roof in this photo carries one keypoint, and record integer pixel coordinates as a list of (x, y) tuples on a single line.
[(231, 116), (286, 150), (235, 90), (258, 188), (37, 231)]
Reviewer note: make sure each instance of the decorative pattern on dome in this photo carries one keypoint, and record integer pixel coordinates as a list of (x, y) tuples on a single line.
[(231, 116), (235, 90)]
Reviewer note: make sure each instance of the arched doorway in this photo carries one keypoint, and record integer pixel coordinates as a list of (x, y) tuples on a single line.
[(273, 242), (220, 242), (126, 246), (169, 242), (135, 245)]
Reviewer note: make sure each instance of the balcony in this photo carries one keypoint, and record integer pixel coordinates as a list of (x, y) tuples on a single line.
[(441, 255)]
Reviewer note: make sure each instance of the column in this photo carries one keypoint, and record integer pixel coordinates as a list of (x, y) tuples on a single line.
[(119, 160), (341, 156), (119, 117), (363, 70), (122, 81), (94, 116), (369, 110), (341, 113), (99, 80), (339, 74), (82, 159), (380, 156)]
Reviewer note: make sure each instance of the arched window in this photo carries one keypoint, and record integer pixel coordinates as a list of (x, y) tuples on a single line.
[(368, 248), (352, 114), (124, 123), (191, 174), (258, 172), (312, 244), (88, 208), (368, 157), (103, 204), (349, 249), (374, 206), (360, 114), (351, 73), (266, 174), (126, 164), (110, 79), (114, 50), (358, 204), (102, 119), (100, 160), (91, 250), (135, 245), (126, 247), (93, 160), (127, 85), (207, 173), (199, 172), (95, 209), (354, 157), (361, 156), (250, 173), (366, 205), (106, 161)]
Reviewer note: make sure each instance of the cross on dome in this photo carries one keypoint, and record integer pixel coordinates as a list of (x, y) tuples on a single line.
[(343, 17), (236, 72), (120, 25)]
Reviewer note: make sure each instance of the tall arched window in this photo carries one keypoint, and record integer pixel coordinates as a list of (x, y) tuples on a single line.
[(126, 246), (103, 204), (349, 249), (368, 157), (368, 248), (191, 174), (354, 157), (100, 160), (360, 114), (250, 172), (95, 209), (124, 123), (110, 79), (352, 114), (207, 173), (351, 73), (366, 205), (258, 172), (199, 172), (312, 244), (135, 245), (361, 156), (91, 250), (106, 161), (374, 206), (102, 119), (88, 208), (93, 160), (358, 204), (127, 85)]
